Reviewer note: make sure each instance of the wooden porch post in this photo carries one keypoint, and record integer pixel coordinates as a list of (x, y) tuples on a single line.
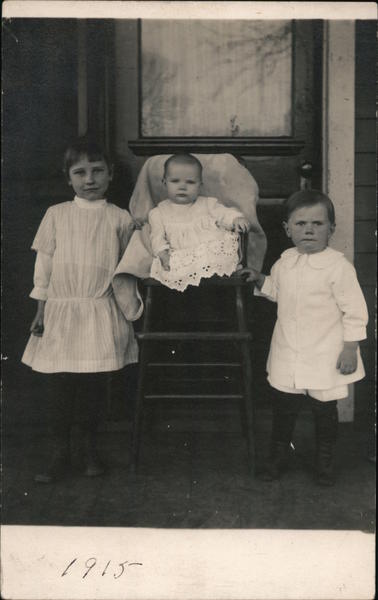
[(338, 143)]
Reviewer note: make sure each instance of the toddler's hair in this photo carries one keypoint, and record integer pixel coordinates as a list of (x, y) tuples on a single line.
[(309, 198), (84, 146), (183, 159)]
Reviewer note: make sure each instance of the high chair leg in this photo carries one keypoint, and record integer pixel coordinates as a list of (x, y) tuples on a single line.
[(138, 420), (248, 403), (247, 381)]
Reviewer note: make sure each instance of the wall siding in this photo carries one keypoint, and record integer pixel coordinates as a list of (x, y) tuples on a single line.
[(365, 209)]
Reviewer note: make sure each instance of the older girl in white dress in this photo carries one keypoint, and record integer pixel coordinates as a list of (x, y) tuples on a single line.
[(79, 333), (192, 236)]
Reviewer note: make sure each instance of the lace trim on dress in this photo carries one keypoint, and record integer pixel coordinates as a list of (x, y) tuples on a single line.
[(189, 265)]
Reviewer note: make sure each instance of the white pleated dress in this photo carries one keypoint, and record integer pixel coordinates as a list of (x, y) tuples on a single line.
[(79, 245)]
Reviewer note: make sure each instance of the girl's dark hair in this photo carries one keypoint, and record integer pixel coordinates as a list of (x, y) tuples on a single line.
[(84, 146), (309, 198), (183, 159)]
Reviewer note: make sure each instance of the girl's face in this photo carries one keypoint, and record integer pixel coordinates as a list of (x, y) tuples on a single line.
[(309, 228), (90, 180), (183, 183)]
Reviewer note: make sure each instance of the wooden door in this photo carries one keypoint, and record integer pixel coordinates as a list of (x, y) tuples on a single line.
[(262, 81), (253, 88)]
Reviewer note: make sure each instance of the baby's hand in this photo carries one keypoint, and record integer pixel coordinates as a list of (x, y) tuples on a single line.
[(347, 361), (36, 327), (222, 225), (241, 225), (252, 275), (164, 259)]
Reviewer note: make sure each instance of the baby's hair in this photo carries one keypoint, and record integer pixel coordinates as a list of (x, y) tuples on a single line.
[(183, 159), (310, 198), (84, 147)]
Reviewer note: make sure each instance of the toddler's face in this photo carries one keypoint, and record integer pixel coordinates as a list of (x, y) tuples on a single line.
[(309, 228), (90, 180), (183, 183)]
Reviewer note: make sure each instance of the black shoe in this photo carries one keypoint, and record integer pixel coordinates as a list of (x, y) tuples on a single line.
[(58, 467), (277, 463), (325, 479), (324, 465), (93, 466)]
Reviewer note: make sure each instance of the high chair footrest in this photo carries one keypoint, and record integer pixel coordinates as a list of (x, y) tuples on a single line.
[(192, 335), (193, 396), (224, 365)]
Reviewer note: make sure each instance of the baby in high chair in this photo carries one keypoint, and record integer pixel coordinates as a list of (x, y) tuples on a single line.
[(192, 236)]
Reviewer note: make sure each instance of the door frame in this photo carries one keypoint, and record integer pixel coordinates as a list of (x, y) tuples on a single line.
[(306, 35), (338, 143)]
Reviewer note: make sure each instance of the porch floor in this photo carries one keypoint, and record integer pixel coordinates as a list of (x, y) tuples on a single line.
[(191, 480)]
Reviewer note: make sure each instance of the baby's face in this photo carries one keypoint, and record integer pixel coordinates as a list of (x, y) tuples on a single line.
[(183, 183), (309, 228), (90, 179)]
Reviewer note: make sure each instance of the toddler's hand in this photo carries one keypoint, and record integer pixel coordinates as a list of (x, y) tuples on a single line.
[(252, 275), (347, 361), (241, 225), (36, 327), (164, 259)]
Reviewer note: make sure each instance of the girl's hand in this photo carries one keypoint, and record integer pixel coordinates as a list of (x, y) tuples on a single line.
[(347, 361), (252, 275), (164, 259), (241, 225), (138, 224), (36, 327)]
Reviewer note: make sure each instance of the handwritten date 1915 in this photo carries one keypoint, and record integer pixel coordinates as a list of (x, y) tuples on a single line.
[(115, 569)]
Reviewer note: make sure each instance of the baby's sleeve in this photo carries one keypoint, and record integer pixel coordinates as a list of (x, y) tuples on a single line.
[(351, 301), (225, 215), (45, 239), (159, 241), (42, 274)]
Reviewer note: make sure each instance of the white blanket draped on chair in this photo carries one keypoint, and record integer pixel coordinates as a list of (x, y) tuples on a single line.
[(223, 178)]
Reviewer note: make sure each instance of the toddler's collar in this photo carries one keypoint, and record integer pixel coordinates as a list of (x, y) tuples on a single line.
[(319, 260), (91, 204)]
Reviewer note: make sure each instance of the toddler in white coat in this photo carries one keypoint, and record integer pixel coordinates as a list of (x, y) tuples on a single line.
[(321, 317)]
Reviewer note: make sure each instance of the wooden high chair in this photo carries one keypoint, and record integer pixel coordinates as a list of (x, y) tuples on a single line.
[(149, 364), (161, 352)]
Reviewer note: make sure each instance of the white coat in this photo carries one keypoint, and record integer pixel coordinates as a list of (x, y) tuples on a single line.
[(320, 305)]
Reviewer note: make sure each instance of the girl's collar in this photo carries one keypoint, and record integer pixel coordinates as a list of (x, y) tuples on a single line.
[(91, 204), (319, 260)]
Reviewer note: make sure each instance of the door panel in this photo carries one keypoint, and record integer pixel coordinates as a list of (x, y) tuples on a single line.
[(272, 156), (217, 78)]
